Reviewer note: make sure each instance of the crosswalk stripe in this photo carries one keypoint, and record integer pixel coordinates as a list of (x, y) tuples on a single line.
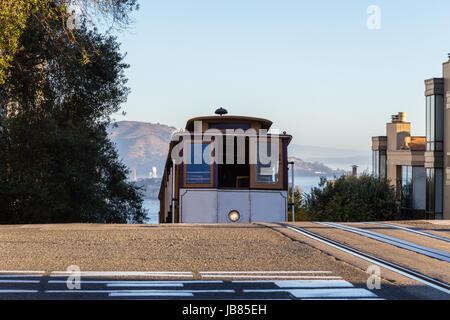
[(145, 294), (18, 291), (21, 272), (268, 277), (20, 276), (262, 272), (131, 282), (320, 293), (20, 281), (140, 291), (123, 273), (341, 299), (293, 284), (144, 285), (315, 284), (332, 293)]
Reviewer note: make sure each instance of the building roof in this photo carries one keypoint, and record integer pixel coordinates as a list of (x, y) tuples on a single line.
[(265, 124)]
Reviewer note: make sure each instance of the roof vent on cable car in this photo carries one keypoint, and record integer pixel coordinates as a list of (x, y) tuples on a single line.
[(221, 111)]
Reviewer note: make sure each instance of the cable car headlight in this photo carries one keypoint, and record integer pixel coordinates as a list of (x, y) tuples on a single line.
[(234, 216)]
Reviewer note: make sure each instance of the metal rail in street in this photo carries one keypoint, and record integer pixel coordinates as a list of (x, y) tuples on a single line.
[(429, 235), (431, 282), (433, 253)]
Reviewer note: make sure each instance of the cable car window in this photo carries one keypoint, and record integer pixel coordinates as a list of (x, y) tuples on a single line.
[(267, 168), (222, 126), (198, 167)]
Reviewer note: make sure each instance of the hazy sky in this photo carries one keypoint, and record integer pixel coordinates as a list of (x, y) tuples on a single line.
[(312, 67)]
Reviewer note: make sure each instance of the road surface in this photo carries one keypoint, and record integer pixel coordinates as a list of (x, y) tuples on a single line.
[(251, 261)]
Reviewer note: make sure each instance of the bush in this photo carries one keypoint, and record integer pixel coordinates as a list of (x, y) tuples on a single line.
[(300, 214), (351, 199)]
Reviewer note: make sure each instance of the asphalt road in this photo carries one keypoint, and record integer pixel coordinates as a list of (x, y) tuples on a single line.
[(309, 286), (252, 261)]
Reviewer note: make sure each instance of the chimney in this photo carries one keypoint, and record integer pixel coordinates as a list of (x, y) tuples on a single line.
[(400, 117), (355, 170)]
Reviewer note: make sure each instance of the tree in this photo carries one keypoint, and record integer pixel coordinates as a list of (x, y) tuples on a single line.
[(349, 198), (57, 163), (300, 214), (53, 16)]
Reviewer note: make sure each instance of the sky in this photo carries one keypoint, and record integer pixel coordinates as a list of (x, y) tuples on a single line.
[(312, 67)]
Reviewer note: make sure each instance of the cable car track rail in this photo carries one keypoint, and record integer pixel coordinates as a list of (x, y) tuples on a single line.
[(425, 234), (433, 253), (431, 282)]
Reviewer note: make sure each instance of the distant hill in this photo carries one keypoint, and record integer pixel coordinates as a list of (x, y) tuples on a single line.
[(144, 145), (332, 157), (310, 169)]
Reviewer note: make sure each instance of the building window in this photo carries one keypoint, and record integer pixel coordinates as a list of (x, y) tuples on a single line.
[(407, 187), (375, 163), (198, 166), (383, 165), (435, 183), (419, 188), (439, 118), (379, 164), (435, 122)]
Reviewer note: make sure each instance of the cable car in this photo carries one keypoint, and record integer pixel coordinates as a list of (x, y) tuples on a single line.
[(225, 169)]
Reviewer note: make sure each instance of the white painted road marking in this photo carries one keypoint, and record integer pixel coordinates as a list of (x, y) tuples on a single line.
[(136, 282), (144, 285), (333, 287), (139, 291), (124, 274), (321, 293), (294, 275), (333, 293), (20, 281), (343, 299), (268, 277), (18, 291), (316, 284), (261, 272), (19, 276), (20, 272), (149, 294)]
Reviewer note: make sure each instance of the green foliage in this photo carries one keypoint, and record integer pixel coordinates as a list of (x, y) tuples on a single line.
[(52, 16), (300, 214), (351, 199), (56, 162)]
